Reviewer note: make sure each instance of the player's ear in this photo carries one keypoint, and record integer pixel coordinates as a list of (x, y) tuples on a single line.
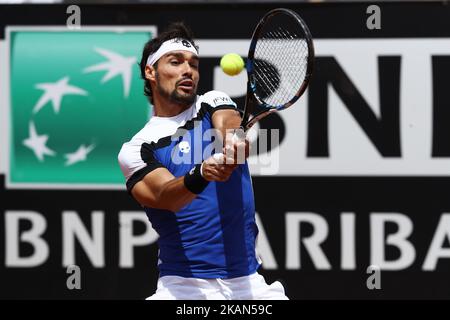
[(150, 73)]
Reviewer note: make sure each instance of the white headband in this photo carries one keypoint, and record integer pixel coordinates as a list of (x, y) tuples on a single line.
[(171, 45)]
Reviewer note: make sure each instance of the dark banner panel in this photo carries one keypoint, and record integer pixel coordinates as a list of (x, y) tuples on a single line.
[(326, 20), (344, 216)]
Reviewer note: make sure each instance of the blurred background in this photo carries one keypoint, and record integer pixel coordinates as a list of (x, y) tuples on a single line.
[(353, 203)]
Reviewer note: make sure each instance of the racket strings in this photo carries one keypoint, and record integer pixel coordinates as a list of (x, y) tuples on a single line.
[(267, 77), (281, 58)]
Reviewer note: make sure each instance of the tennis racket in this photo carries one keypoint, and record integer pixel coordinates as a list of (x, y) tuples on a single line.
[(279, 65)]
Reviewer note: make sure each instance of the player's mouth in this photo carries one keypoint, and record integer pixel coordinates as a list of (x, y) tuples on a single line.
[(186, 85)]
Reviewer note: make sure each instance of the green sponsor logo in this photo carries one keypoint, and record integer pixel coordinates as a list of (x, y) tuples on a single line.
[(75, 98)]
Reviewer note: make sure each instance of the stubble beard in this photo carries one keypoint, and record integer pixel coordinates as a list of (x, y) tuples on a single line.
[(174, 96)]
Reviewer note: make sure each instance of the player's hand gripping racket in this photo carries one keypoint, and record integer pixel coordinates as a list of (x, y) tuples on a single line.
[(279, 65)]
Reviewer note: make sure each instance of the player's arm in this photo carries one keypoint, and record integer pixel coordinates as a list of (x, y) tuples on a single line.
[(161, 190), (226, 121)]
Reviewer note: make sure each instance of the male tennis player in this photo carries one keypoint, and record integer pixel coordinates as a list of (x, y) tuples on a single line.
[(203, 212)]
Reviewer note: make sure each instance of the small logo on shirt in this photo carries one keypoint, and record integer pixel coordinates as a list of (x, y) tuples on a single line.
[(184, 146)]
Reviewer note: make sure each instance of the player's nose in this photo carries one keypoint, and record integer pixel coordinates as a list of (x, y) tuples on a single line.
[(187, 69)]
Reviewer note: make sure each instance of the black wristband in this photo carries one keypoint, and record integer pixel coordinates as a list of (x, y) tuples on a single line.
[(193, 180)]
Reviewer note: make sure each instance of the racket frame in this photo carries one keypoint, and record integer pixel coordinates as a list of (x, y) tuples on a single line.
[(252, 99)]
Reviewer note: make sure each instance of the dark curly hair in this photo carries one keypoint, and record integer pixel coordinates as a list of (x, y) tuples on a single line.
[(176, 30)]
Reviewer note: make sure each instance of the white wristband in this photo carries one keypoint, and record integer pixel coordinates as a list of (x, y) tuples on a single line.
[(201, 170)]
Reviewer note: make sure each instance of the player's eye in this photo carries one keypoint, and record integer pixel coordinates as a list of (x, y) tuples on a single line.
[(174, 62)]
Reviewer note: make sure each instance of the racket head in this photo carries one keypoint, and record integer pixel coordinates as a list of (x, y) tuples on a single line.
[(279, 64)]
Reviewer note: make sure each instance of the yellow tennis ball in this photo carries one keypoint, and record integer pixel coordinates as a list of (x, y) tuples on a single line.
[(232, 64)]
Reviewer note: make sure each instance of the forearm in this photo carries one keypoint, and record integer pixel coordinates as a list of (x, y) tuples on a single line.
[(236, 147), (161, 190), (174, 195), (226, 120)]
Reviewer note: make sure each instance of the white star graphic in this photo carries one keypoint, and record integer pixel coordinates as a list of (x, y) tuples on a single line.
[(116, 65), (37, 143), (54, 92), (79, 155)]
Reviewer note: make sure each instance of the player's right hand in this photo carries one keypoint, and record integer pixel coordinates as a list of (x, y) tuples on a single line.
[(215, 169)]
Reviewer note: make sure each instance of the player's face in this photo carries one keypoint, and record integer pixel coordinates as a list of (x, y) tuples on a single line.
[(177, 76)]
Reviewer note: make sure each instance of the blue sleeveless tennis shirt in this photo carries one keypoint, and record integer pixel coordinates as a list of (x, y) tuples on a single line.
[(214, 235)]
